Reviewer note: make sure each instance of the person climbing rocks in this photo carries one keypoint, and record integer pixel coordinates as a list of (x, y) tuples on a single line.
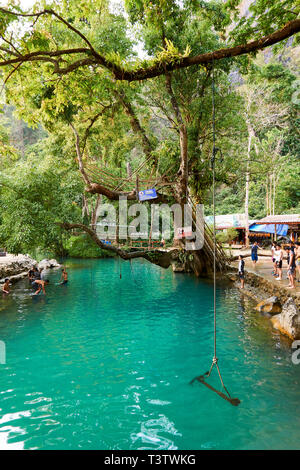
[(40, 284), (242, 271), (6, 286)]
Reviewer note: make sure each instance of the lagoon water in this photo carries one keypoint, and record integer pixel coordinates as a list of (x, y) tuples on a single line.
[(105, 363)]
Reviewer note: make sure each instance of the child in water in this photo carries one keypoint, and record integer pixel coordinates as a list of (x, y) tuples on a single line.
[(64, 276), (5, 287)]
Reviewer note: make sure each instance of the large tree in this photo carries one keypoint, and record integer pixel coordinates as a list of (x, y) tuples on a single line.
[(73, 49)]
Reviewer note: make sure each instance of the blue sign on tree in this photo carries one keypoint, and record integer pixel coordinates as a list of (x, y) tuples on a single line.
[(147, 194)]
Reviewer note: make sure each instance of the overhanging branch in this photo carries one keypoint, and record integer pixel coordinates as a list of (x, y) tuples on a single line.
[(112, 195), (159, 257), (92, 57)]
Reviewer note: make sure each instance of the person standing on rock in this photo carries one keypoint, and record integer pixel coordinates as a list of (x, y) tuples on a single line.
[(279, 257), (292, 268), (242, 271)]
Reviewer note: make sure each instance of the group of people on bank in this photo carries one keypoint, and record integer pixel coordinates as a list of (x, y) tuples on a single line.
[(36, 280), (293, 262), (278, 255)]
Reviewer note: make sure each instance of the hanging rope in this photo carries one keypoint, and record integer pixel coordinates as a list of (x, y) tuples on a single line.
[(120, 267), (201, 378), (133, 276)]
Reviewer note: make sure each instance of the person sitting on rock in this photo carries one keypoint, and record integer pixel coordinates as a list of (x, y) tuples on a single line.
[(242, 271), (40, 284), (36, 273), (6, 286)]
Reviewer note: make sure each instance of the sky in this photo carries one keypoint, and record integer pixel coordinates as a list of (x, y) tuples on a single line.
[(24, 3), (27, 3)]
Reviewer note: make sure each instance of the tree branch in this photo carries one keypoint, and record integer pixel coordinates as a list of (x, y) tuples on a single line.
[(79, 156), (60, 18), (162, 258), (158, 68), (136, 125), (96, 188)]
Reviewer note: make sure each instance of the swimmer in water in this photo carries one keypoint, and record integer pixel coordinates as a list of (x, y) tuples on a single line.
[(64, 277)]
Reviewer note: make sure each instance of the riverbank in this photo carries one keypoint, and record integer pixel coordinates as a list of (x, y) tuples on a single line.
[(260, 283), (273, 297), (16, 267)]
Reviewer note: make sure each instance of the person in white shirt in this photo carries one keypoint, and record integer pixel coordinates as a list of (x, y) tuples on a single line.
[(273, 249), (278, 258)]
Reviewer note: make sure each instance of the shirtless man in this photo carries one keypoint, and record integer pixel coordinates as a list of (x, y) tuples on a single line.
[(5, 287), (40, 284), (64, 276)]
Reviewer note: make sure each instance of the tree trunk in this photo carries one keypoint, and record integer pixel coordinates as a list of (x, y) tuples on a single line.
[(267, 196), (250, 135), (274, 192)]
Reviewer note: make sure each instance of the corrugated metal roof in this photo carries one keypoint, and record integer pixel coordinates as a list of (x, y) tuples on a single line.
[(281, 219)]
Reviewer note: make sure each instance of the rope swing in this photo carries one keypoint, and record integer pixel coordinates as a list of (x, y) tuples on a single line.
[(202, 378)]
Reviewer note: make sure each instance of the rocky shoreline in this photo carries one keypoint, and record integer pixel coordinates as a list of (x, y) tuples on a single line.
[(278, 303), (16, 267)]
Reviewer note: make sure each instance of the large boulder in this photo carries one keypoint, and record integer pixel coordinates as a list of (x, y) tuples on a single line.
[(48, 264), (16, 265), (288, 321), (270, 305)]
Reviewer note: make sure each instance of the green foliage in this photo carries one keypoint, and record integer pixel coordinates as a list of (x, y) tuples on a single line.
[(40, 185), (227, 236), (83, 247), (34, 196), (264, 17)]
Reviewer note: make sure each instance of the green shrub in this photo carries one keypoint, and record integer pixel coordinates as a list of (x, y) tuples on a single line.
[(227, 236), (83, 247)]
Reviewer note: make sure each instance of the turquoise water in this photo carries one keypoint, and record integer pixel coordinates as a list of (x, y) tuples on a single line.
[(104, 363)]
